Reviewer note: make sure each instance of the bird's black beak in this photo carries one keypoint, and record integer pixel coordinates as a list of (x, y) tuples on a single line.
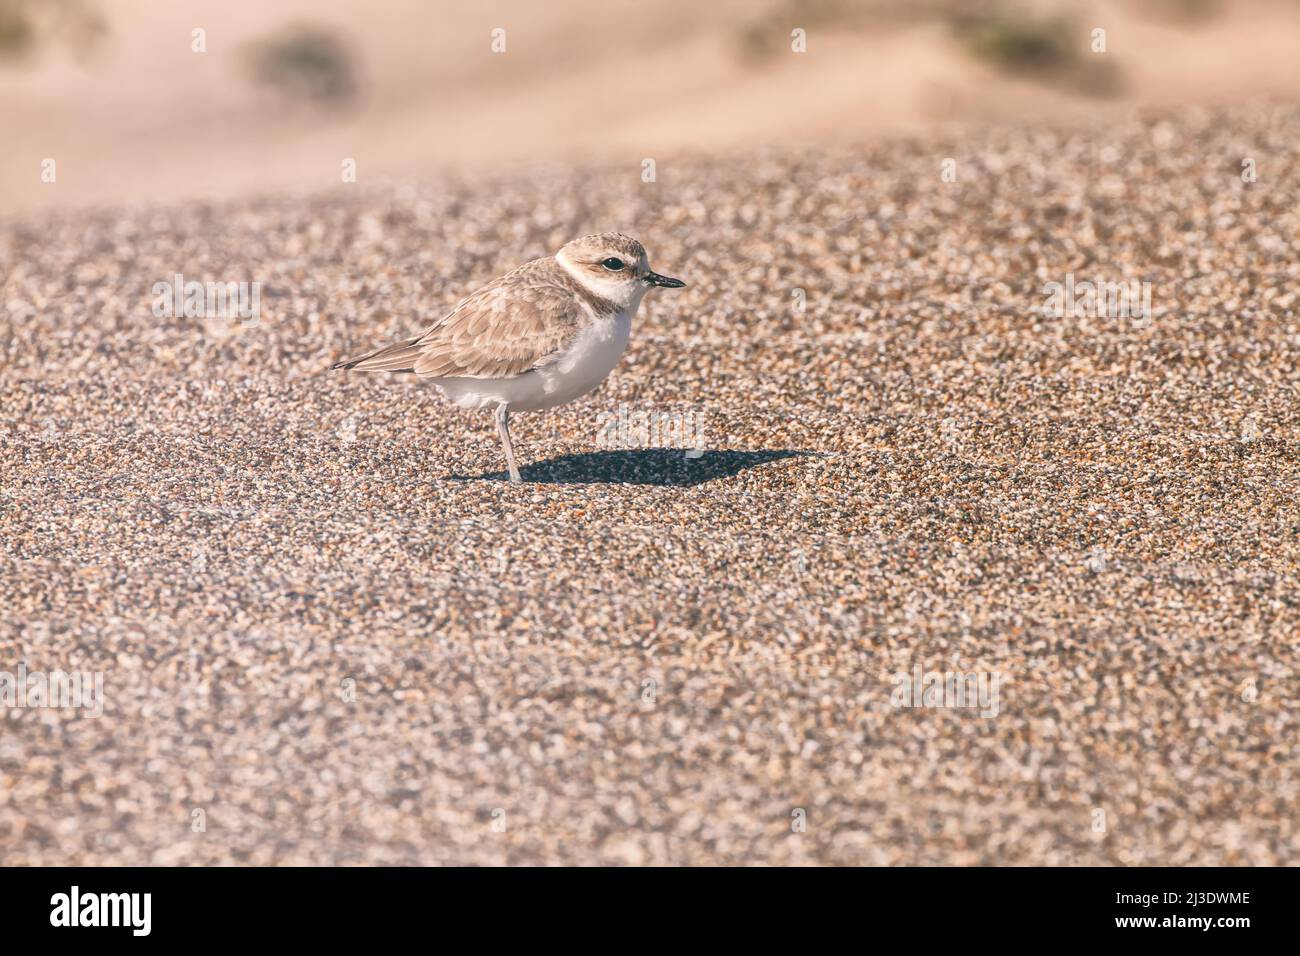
[(654, 278)]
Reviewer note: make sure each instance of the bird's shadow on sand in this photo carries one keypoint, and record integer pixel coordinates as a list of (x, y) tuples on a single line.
[(649, 466)]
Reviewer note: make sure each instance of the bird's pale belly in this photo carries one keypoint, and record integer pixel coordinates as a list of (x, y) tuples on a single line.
[(592, 356)]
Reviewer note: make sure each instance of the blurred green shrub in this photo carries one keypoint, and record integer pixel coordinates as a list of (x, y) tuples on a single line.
[(1050, 48), (27, 25), (16, 31), (305, 63), (1013, 41)]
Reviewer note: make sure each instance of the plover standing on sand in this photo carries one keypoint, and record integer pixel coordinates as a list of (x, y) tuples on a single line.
[(540, 336)]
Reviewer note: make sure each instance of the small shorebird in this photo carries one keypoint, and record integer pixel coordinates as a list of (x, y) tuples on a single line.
[(540, 336)]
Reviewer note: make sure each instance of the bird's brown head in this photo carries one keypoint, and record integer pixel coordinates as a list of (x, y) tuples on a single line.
[(613, 265)]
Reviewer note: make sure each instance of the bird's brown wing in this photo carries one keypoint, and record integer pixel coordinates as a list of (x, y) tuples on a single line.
[(513, 324)]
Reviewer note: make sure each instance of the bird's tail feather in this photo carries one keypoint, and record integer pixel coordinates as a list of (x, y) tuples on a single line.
[(399, 357)]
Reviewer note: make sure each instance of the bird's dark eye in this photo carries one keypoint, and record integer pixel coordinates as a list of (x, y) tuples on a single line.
[(612, 264)]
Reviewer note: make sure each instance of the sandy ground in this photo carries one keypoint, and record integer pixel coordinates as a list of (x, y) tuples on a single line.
[(330, 633)]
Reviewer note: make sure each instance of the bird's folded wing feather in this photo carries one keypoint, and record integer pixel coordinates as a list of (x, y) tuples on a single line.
[(519, 322)]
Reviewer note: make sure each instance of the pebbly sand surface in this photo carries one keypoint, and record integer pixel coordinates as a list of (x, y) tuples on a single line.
[(329, 632)]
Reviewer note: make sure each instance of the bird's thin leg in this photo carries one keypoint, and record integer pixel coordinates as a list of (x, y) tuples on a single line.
[(503, 429)]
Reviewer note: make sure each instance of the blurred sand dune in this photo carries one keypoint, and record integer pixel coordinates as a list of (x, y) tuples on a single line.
[(142, 117)]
